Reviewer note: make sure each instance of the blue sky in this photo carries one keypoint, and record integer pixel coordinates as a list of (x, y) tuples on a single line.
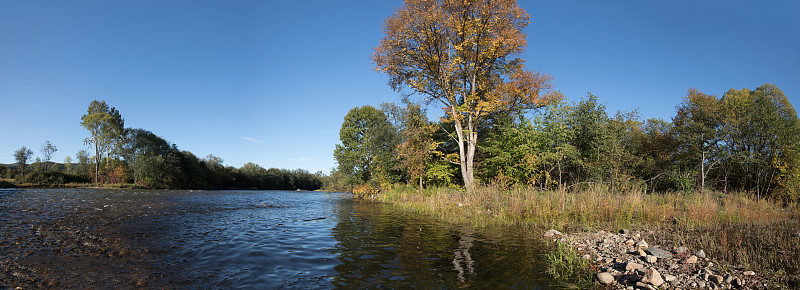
[(270, 81)]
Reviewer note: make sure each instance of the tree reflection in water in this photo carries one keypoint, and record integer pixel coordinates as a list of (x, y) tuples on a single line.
[(462, 256), (383, 246)]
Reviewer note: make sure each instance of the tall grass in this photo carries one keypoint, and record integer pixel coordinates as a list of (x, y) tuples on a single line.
[(590, 208), (734, 227)]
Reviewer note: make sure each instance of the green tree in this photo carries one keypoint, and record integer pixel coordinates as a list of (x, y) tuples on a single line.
[(462, 54), (417, 146), (22, 156), (697, 124), (47, 153), (760, 136), (68, 166), (83, 163), (368, 142), (590, 122), (105, 126), (153, 161)]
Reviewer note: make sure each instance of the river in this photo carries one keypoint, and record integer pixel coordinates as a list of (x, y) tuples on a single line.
[(95, 238)]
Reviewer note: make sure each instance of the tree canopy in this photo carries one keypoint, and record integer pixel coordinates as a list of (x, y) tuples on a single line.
[(462, 54), (105, 126)]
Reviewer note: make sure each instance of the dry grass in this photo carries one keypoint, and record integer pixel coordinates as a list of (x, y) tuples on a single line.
[(735, 228)]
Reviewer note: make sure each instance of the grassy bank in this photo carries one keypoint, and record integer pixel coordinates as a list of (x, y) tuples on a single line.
[(734, 228)]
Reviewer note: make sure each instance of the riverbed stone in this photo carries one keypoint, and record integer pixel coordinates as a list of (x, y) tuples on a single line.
[(642, 285), (552, 233), (689, 260), (701, 284), (659, 252), (632, 266), (641, 245), (650, 259), (669, 278), (605, 278), (652, 277), (716, 279), (737, 282)]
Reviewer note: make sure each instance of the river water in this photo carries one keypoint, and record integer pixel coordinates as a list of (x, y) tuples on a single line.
[(94, 238)]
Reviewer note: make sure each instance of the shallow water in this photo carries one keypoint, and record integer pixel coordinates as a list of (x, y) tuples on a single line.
[(77, 238)]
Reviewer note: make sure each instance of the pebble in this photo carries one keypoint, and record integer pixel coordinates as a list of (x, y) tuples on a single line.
[(700, 254), (737, 282), (689, 260), (650, 259), (605, 278), (642, 244), (681, 250), (652, 277), (632, 266), (716, 279), (749, 273), (669, 278)]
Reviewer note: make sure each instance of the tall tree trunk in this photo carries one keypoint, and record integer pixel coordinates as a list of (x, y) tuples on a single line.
[(466, 151), (420, 184), (96, 162)]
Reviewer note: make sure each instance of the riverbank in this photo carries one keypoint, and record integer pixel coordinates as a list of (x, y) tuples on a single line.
[(737, 231)]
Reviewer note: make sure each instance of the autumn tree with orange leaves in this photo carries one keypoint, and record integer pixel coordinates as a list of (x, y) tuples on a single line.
[(463, 54)]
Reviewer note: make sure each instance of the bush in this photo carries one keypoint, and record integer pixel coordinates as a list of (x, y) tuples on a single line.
[(52, 178)]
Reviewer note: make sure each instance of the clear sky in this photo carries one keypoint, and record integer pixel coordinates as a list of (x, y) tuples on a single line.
[(270, 81)]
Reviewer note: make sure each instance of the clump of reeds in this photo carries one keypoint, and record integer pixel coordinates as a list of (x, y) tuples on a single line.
[(566, 265)]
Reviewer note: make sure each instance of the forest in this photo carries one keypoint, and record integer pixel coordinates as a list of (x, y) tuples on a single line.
[(137, 157), (743, 141)]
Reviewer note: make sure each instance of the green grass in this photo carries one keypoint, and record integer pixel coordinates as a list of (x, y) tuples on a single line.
[(566, 265)]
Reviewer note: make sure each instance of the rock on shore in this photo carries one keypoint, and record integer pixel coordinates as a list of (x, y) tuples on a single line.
[(627, 261)]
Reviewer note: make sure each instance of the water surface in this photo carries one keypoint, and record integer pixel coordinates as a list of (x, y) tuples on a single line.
[(96, 238)]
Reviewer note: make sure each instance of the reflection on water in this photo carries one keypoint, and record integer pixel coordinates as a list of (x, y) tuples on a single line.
[(75, 238), (462, 256)]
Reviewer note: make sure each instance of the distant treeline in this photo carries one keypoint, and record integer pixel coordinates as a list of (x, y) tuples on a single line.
[(744, 141), (125, 155)]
